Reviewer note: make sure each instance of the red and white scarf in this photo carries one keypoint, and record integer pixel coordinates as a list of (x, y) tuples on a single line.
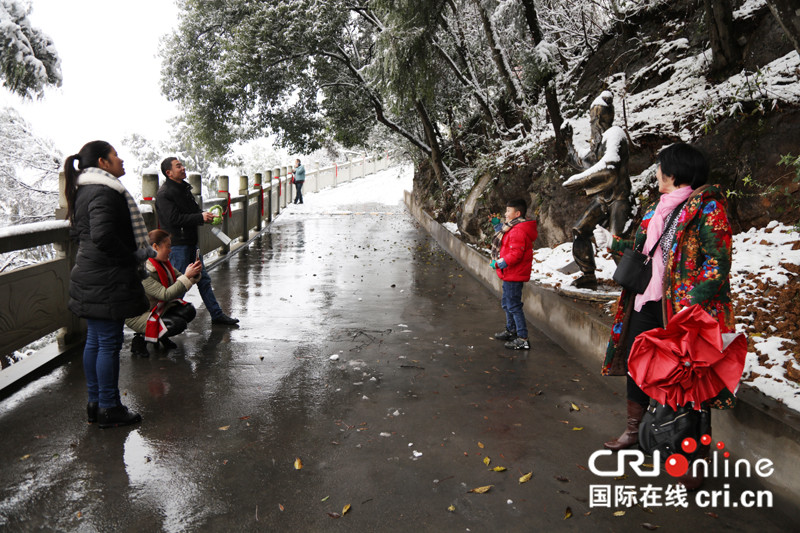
[(155, 327)]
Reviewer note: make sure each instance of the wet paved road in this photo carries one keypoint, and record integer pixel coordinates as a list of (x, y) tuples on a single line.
[(398, 427)]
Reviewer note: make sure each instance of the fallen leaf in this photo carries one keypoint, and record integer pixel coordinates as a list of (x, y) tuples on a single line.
[(619, 513), (280, 506), (567, 513), (620, 478), (481, 490), (527, 477), (587, 513), (224, 428), (712, 514), (452, 508), (26, 456), (577, 428), (651, 527), (334, 515), (573, 407), (562, 478), (244, 417), (345, 509), (79, 514), (581, 467), (486, 461), (499, 469), (298, 464), (325, 499), (480, 445)]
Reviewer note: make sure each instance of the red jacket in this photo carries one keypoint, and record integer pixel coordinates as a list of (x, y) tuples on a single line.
[(516, 250)]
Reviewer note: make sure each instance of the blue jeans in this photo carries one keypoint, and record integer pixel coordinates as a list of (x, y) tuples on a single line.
[(512, 305), (298, 195), (183, 255), (101, 361)]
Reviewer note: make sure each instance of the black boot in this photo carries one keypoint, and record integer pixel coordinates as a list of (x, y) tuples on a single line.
[(139, 346), (167, 343), (629, 437), (91, 412), (116, 416)]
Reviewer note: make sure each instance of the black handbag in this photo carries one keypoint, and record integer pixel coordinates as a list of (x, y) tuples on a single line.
[(664, 429), (635, 268)]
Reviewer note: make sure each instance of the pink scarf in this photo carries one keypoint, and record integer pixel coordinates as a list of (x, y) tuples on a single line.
[(667, 202)]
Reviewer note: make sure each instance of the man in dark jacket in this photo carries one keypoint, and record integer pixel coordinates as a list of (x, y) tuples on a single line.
[(512, 257), (180, 216)]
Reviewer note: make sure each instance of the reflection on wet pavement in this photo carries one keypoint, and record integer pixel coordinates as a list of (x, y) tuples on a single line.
[(363, 350)]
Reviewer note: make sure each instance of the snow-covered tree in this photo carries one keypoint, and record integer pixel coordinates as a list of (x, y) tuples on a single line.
[(28, 59), (29, 167)]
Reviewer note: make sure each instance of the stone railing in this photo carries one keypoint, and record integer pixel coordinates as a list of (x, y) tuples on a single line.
[(33, 299)]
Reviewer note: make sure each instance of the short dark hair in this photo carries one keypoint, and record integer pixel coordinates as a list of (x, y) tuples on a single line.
[(519, 204), (157, 236), (687, 164), (167, 165)]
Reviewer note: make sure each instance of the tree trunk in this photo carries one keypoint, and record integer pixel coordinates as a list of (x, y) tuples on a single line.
[(725, 50), (499, 58), (433, 142), (550, 95), (788, 14)]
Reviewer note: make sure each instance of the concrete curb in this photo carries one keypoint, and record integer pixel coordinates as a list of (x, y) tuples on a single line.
[(759, 427)]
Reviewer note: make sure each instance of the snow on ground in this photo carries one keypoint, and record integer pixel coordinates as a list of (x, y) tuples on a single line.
[(384, 187), (758, 256)]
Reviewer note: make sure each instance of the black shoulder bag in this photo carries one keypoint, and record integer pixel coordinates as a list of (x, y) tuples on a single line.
[(635, 269)]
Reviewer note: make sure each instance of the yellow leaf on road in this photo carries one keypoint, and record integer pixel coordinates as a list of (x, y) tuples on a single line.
[(452, 508), (574, 407), (345, 509), (567, 513), (486, 461), (619, 513), (499, 469), (480, 445), (26, 456), (481, 490), (577, 428), (527, 477), (224, 428), (298, 464)]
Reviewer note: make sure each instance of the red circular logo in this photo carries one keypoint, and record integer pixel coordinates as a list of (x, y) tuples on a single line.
[(689, 445), (676, 465)]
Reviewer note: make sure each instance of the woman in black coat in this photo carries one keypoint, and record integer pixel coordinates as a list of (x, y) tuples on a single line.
[(105, 287)]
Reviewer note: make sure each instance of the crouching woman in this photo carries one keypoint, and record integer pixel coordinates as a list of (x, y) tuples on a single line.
[(168, 315)]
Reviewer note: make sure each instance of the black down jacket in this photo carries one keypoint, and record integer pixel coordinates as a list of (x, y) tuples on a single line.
[(104, 282), (178, 212)]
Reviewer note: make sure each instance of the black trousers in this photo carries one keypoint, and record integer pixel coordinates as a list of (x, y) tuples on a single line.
[(650, 317), (298, 195)]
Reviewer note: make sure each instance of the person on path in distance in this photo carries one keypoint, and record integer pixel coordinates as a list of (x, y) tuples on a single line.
[(180, 216), (299, 180), (512, 257), (168, 315), (105, 286)]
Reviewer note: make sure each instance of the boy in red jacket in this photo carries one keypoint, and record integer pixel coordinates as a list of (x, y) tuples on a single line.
[(512, 256)]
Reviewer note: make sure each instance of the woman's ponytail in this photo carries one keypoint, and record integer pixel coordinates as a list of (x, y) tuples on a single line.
[(86, 157)]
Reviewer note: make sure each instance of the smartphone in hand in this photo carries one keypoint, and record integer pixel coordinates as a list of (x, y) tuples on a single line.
[(197, 257)]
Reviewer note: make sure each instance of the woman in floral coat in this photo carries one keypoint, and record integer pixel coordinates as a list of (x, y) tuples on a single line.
[(691, 266)]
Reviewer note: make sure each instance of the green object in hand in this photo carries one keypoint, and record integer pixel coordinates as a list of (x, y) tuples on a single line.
[(495, 221), (493, 264), (217, 211)]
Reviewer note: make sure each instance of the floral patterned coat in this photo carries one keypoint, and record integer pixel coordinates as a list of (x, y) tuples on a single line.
[(697, 272)]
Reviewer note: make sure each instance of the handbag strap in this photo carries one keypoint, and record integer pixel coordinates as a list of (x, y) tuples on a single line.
[(669, 222)]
